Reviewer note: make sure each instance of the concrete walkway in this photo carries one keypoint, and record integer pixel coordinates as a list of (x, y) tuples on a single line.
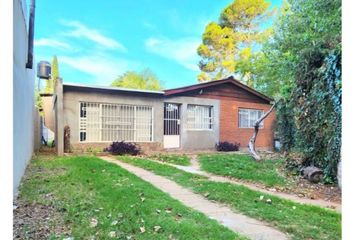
[(195, 168), (239, 223)]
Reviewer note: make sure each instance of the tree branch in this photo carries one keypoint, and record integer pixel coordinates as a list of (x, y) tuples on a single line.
[(252, 142)]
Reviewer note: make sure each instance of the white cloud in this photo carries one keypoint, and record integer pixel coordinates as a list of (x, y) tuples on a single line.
[(48, 42), (183, 51), (102, 68), (82, 31)]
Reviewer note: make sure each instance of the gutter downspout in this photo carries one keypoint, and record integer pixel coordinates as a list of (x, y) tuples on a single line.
[(29, 63)]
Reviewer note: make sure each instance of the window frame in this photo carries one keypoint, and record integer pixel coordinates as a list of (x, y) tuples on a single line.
[(211, 118), (261, 126), (101, 116)]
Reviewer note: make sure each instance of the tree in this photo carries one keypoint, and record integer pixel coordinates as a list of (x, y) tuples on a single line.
[(38, 102), (301, 65), (227, 46), (218, 51), (252, 142), (50, 83), (145, 79), (300, 27)]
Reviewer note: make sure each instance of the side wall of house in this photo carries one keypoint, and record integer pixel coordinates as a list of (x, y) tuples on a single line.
[(72, 101), (24, 114), (197, 139)]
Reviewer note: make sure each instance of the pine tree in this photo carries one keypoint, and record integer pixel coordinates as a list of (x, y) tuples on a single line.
[(227, 46), (49, 88)]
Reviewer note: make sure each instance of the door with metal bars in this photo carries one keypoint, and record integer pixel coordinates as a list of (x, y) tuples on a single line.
[(171, 138)]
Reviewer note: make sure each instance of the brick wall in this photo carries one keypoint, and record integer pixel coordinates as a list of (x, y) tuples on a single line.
[(229, 130), (99, 146)]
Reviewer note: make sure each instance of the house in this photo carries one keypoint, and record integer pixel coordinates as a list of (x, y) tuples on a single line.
[(194, 117), (25, 115)]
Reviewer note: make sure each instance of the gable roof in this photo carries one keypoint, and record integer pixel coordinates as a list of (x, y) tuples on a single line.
[(173, 91), (181, 90)]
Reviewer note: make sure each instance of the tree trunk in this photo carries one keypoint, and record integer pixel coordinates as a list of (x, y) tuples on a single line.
[(252, 142)]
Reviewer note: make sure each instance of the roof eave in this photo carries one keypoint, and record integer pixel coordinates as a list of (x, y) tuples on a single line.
[(174, 91), (129, 90)]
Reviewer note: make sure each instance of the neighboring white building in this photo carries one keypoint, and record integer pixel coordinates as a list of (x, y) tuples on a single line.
[(24, 112)]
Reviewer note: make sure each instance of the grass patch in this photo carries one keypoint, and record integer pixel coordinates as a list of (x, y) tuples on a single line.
[(243, 167), (300, 221), (177, 159), (85, 189)]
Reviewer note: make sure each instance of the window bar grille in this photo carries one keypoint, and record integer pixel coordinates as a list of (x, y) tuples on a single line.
[(171, 119), (115, 122), (110, 122), (199, 117), (247, 117), (152, 125)]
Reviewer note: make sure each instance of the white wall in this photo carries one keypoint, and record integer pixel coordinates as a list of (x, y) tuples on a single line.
[(23, 97)]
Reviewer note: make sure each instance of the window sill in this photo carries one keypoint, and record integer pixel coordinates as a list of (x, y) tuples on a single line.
[(208, 130)]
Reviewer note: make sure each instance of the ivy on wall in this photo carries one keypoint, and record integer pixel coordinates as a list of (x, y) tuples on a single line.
[(310, 119)]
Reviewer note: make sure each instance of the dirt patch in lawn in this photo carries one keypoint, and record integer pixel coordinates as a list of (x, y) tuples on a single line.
[(318, 191), (302, 187), (37, 221), (305, 189)]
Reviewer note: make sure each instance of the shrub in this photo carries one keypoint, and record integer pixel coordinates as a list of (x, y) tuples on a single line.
[(309, 121), (123, 148), (294, 162), (94, 150), (227, 147)]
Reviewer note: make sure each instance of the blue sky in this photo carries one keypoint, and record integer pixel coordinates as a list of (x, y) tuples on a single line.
[(95, 41)]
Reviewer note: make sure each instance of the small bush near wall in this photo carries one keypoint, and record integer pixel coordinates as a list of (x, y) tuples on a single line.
[(123, 148), (227, 147), (93, 150)]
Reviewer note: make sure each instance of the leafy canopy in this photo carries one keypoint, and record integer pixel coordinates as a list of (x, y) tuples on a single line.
[(298, 63), (301, 65), (145, 79), (228, 45), (301, 27)]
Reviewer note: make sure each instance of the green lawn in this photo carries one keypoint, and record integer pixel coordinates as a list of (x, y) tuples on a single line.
[(242, 166), (300, 221), (86, 188), (177, 159)]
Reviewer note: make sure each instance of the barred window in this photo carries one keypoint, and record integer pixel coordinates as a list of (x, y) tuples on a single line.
[(248, 117), (199, 117), (115, 122)]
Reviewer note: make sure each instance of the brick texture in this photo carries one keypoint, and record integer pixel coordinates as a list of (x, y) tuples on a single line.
[(231, 100), (229, 128)]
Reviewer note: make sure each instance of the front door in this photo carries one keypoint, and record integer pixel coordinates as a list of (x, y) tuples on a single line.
[(171, 138)]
